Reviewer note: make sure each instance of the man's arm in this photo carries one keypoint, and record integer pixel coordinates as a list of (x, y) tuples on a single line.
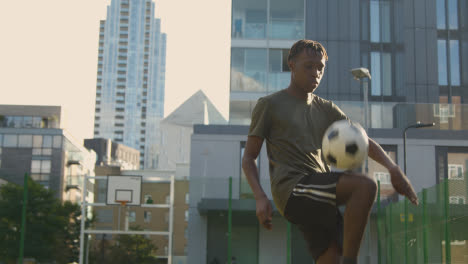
[(251, 152), (399, 180)]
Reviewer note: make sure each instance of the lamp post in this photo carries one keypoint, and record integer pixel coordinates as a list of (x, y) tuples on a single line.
[(363, 75), (417, 125), (360, 74)]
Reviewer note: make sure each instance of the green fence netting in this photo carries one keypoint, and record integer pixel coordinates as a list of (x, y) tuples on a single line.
[(436, 231)]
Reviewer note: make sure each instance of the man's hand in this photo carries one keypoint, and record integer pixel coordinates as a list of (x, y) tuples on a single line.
[(402, 185), (264, 212)]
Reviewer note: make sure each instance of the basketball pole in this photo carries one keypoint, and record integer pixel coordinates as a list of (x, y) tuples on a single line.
[(229, 221), (23, 218)]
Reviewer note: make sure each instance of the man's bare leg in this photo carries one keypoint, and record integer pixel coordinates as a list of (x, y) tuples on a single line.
[(358, 193), (331, 255)]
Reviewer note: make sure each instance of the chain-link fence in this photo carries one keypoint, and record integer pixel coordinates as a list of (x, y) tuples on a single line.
[(436, 231)]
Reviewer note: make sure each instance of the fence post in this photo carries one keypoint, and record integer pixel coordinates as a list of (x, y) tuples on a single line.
[(229, 220), (379, 250), (448, 254), (391, 233), (288, 246), (425, 241), (406, 231), (23, 218)]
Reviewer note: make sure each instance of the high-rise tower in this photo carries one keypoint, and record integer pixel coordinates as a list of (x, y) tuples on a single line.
[(131, 77)]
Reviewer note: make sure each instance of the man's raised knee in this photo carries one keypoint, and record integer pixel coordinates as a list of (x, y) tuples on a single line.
[(370, 187)]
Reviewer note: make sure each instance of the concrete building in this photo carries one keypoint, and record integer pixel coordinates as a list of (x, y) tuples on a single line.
[(131, 78), (33, 141), (177, 129), (113, 154)]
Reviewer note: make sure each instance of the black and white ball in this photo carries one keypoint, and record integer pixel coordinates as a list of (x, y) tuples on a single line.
[(345, 145)]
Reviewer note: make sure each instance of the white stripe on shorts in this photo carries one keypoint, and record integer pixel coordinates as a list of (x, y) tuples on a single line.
[(327, 186), (318, 193), (315, 198)]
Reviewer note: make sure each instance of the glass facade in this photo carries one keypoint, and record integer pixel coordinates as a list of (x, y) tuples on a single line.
[(286, 19), (28, 121), (451, 48), (261, 68), (131, 78), (383, 49), (268, 19), (380, 21)]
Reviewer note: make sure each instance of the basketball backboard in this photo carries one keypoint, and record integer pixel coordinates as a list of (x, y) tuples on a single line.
[(123, 190)]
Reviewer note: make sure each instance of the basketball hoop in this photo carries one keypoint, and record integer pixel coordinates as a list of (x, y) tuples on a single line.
[(122, 202)]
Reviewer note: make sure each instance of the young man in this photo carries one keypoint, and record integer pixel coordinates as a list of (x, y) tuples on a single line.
[(293, 122)]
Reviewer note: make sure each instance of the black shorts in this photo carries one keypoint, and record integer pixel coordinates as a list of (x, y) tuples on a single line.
[(312, 208)]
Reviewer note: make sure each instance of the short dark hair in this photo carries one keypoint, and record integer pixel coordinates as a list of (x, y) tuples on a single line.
[(303, 44)]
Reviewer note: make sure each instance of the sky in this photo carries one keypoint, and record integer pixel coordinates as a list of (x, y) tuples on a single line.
[(48, 54)]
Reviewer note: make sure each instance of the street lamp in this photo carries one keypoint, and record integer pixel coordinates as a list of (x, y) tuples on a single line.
[(417, 125), (360, 74)]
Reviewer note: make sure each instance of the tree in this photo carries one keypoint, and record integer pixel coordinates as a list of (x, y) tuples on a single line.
[(125, 249), (52, 228)]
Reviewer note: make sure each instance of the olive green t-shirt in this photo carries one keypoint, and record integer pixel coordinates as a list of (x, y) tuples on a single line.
[(293, 131)]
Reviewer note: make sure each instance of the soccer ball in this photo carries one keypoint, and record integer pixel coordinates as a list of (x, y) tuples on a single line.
[(345, 145)]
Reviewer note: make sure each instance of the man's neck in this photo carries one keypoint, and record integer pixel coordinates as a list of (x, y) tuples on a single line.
[(294, 91)]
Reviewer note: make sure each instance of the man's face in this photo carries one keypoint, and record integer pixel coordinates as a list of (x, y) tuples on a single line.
[(307, 69)]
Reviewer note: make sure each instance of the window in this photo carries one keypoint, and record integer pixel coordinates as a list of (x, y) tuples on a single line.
[(40, 177), (455, 171), (57, 143), (457, 200), (147, 216), (47, 141), (104, 215), (380, 21), (102, 190), (249, 19), (40, 166), (187, 199), (440, 14), (451, 164), (131, 216), (381, 66), (253, 19), (168, 199), (449, 50), (248, 69), (442, 61), (35, 166), (37, 141), (148, 199), (286, 19), (383, 177), (10, 141), (25, 141), (186, 215), (279, 73)]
